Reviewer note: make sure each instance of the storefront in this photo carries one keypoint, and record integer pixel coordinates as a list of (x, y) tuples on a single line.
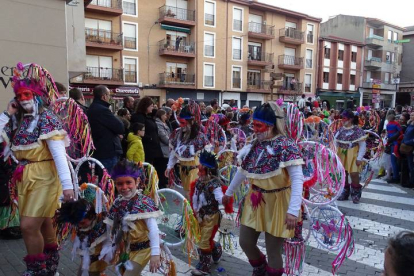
[(198, 95), (379, 100), (340, 100)]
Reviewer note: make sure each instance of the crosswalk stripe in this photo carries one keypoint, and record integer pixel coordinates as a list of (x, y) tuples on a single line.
[(393, 189), (388, 198), (374, 227)]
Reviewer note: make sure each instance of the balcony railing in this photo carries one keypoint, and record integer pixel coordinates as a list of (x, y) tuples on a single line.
[(261, 57), (385, 85), (103, 37), (309, 38), (237, 25), (173, 46), (209, 19), (176, 13), (208, 81), (178, 79), (262, 29), (259, 84), (115, 4), (293, 61), (129, 8), (237, 54), (101, 73), (309, 63), (292, 34), (292, 87), (209, 51), (130, 42), (131, 76), (237, 83)]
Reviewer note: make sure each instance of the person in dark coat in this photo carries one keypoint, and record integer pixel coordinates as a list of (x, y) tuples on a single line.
[(107, 130), (77, 95)]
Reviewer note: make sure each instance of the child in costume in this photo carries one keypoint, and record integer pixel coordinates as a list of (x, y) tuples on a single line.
[(186, 142), (92, 240), (351, 144), (206, 196), (132, 218), (135, 152), (273, 165)]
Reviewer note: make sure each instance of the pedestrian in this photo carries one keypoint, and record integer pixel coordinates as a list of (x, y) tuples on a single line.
[(293, 84), (399, 255), (135, 152), (129, 104), (61, 89), (302, 103), (394, 131), (177, 43), (215, 106), (351, 144), (164, 133), (408, 141), (273, 166), (77, 95), (203, 111), (106, 128)]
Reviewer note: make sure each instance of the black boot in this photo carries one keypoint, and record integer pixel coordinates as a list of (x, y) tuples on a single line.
[(52, 258), (204, 265), (356, 193), (36, 265), (345, 194), (259, 266), (217, 252)]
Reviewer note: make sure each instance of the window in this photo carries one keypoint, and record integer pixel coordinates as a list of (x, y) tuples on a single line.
[(392, 57), (255, 51), (341, 55), (130, 36), (208, 75), (177, 73), (308, 83), (389, 36), (237, 19), (339, 78), (309, 54), (99, 67), (352, 80), (130, 70), (209, 45), (129, 7), (102, 3), (99, 31), (237, 51), (209, 13), (327, 53), (395, 37), (388, 57), (253, 79), (326, 77), (387, 78), (309, 36), (236, 82), (353, 56)]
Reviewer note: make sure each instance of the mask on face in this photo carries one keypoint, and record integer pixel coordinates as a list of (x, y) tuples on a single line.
[(183, 123), (262, 130), (27, 105)]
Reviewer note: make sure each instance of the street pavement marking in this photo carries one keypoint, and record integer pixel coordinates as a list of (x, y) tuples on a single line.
[(373, 227), (388, 198), (376, 209), (385, 188)]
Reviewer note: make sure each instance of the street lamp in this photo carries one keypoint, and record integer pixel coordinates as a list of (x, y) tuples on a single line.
[(148, 48)]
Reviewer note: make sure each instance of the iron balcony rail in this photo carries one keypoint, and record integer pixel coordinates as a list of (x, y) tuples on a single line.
[(129, 8), (209, 81), (209, 19), (309, 38), (115, 4), (173, 46), (103, 36), (177, 79), (177, 13), (101, 73), (259, 84), (261, 28), (265, 57), (290, 60), (296, 87), (236, 82), (309, 63), (130, 42), (209, 51), (237, 54), (131, 76), (292, 33), (237, 25)]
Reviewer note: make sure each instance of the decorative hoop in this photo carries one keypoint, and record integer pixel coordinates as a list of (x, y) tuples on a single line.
[(375, 147)]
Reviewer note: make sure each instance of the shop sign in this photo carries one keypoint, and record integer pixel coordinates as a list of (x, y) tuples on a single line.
[(126, 90), (375, 88)]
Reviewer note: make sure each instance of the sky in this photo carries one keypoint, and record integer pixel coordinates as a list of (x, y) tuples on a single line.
[(397, 12)]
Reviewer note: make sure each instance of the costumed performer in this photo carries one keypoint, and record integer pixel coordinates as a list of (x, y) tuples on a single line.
[(133, 221), (206, 196), (272, 164), (186, 142), (37, 139), (245, 115), (91, 236), (350, 140)]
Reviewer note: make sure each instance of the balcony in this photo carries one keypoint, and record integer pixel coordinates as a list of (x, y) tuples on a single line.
[(112, 7), (261, 31), (373, 63), (257, 59), (130, 76), (209, 19), (176, 16), (290, 62), (386, 86), (259, 86), (173, 48), (291, 89), (374, 41), (130, 43), (103, 39), (291, 36), (177, 80), (101, 75)]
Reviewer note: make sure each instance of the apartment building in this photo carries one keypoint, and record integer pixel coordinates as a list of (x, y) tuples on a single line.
[(381, 57), (201, 49), (406, 85), (339, 71)]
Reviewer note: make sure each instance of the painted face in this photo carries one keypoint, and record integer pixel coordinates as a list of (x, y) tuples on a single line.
[(25, 99), (183, 122), (126, 186), (201, 171), (260, 127)]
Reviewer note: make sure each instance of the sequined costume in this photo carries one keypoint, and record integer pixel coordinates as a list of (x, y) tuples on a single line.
[(349, 146)]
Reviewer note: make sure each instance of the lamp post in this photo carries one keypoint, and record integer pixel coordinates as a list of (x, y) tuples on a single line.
[(148, 48)]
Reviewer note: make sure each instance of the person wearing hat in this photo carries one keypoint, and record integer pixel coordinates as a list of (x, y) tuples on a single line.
[(245, 115), (273, 166), (350, 140)]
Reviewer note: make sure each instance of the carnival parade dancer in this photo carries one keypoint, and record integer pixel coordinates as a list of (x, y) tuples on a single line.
[(272, 164), (35, 135), (186, 142), (132, 218), (206, 196), (92, 237), (351, 144)]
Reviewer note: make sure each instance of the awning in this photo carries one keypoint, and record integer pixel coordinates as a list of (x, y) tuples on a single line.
[(174, 28)]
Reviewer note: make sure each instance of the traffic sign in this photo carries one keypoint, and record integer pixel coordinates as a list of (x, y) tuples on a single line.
[(402, 41)]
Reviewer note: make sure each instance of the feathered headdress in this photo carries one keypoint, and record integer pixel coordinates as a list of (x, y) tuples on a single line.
[(127, 168), (245, 114), (74, 212), (208, 159), (220, 119), (190, 111), (35, 79), (265, 114)]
